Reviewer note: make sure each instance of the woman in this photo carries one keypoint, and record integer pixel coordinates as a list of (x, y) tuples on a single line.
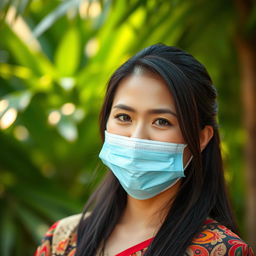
[(165, 192)]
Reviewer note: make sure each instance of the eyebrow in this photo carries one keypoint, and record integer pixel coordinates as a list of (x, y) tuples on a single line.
[(151, 111)]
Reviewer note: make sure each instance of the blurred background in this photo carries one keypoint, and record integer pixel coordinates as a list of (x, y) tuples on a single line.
[(55, 60)]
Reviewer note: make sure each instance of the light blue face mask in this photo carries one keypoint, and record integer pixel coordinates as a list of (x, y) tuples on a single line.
[(144, 168)]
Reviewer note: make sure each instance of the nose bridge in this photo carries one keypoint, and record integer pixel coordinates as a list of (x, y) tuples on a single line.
[(140, 131)]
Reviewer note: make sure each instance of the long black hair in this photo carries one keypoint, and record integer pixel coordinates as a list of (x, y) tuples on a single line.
[(202, 193)]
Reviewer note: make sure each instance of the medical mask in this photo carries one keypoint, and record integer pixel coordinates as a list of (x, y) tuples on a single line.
[(144, 168)]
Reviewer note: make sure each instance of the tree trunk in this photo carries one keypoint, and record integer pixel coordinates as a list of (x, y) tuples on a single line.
[(246, 48)]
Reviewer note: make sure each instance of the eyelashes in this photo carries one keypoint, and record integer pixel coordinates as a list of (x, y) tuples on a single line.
[(123, 117), (162, 122), (159, 122)]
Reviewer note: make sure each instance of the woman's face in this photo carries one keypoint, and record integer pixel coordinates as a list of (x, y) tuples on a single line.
[(144, 108)]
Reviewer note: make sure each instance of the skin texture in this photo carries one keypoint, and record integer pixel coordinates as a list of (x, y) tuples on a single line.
[(144, 108)]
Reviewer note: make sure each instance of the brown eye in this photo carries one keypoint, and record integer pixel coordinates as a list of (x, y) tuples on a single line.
[(162, 122), (123, 117)]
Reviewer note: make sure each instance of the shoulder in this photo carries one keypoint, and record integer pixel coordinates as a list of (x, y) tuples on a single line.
[(64, 235), (60, 238), (216, 239)]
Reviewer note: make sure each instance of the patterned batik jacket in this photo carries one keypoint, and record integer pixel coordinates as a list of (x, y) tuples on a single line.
[(214, 240)]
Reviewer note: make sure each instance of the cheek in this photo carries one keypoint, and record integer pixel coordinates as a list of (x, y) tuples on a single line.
[(113, 127), (110, 122), (107, 125), (172, 135), (110, 126)]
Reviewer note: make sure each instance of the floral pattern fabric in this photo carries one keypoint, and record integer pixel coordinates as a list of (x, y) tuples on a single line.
[(213, 240)]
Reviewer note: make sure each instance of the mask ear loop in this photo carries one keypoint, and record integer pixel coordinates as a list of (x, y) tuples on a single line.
[(188, 162)]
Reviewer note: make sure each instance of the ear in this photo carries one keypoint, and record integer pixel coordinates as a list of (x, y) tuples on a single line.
[(205, 136)]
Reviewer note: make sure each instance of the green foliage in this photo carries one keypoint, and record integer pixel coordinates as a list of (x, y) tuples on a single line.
[(55, 59)]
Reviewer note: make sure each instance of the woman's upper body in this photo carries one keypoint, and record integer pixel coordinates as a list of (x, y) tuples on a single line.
[(162, 148), (214, 239)]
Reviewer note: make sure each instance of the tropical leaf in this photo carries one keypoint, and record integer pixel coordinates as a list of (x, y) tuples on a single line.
[(68, 53), (49, 20)]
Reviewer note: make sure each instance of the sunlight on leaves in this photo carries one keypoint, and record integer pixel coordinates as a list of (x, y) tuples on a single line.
[(54, 117), (21, 133), (67, 129), (68, 109), (8, 118)]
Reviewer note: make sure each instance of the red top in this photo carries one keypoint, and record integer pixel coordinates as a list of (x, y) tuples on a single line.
[(136, 248)]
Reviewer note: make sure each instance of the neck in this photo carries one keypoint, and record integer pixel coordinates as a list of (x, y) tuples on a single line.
[(149, 213)]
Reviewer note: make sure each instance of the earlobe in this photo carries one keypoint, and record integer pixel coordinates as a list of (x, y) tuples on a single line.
[(205, 136)]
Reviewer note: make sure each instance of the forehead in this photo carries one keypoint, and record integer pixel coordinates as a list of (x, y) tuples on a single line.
[(143, 89)]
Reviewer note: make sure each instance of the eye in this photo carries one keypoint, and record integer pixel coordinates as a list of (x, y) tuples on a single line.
[(123, 117), (162, 122)]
